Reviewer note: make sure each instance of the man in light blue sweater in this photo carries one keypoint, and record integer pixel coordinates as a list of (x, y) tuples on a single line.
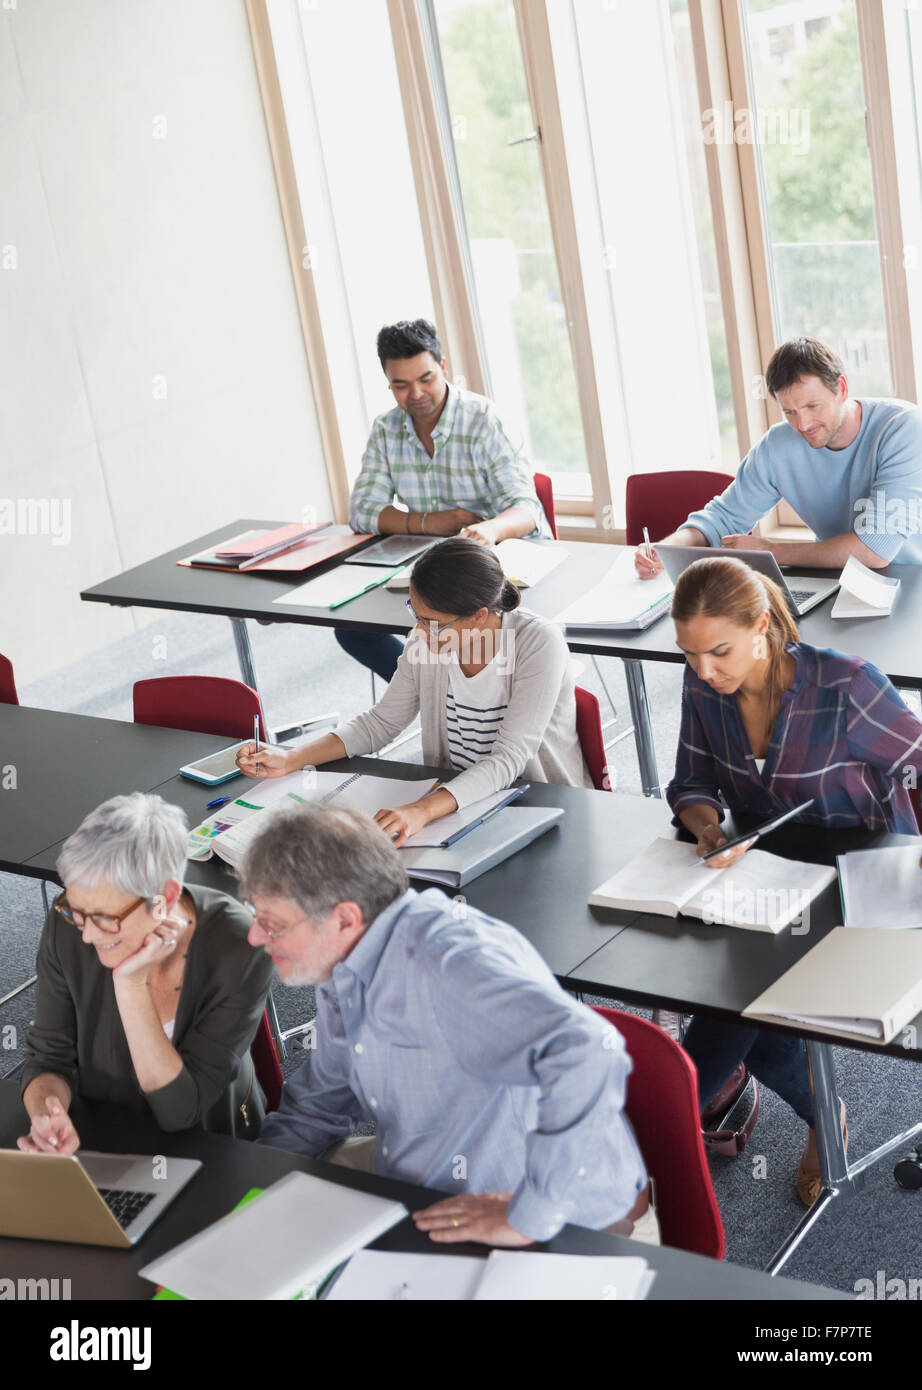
[(851, 469)]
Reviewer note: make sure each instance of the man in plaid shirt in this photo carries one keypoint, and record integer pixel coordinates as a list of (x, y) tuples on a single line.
[(444, 454)]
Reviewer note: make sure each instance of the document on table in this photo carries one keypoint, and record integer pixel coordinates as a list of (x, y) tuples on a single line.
[(863, 593), (513, 1275), (620, 600), (882, 887)]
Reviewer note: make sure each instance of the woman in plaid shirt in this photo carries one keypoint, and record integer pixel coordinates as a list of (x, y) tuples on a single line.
[(769, 722)]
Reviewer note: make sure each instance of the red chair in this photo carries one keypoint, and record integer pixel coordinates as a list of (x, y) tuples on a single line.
[(591, 738), (8, 694), (201, 704), (662, 1106), (916, 800), (662, 501), (545, 491), (266, 1064)]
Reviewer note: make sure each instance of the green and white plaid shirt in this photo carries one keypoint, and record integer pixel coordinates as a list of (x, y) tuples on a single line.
[(475, 465)]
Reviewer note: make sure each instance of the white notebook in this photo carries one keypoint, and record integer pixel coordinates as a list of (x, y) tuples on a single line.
[(856, 982), (863, 593), (761, 891), (280, 1243)]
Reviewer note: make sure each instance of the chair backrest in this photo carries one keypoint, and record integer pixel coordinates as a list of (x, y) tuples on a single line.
[(201, 704), (662, 501), (545, 490), (266, 1064), (8, 694), (591, 738), (662, 1106)]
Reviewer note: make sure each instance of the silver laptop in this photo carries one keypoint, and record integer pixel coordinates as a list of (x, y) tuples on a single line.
[(93, 1199), (393, 550), (804, 591)]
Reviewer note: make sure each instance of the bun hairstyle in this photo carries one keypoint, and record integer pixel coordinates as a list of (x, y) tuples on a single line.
[(461, 576), (727, 588)]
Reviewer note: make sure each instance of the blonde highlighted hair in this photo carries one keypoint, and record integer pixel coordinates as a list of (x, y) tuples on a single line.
[(722, 587)]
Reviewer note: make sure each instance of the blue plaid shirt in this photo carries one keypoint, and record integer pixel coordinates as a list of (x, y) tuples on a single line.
[(474, 465), (480, 1073)]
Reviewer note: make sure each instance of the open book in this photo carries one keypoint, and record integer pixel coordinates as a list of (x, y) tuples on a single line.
[(761, 891), (524, 562), (229, 831), (856, 982), (621, 601)]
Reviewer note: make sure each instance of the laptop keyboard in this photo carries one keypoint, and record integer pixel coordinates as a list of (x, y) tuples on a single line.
[(802, 595), (124, 1204)]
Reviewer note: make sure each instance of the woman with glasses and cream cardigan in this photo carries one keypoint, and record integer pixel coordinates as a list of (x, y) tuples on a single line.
[(492, 682)]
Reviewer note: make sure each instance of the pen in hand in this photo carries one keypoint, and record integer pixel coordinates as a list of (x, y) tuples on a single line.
[(256, 740), (648, 544)]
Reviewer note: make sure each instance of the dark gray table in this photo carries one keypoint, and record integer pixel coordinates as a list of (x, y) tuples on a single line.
[(233, 1167), (543, 891), (161, 583)]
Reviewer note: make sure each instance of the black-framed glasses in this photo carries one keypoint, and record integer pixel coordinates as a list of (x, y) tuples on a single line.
[(105, 921)]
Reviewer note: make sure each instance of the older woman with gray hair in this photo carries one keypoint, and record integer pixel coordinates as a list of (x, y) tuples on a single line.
[(148, 994)]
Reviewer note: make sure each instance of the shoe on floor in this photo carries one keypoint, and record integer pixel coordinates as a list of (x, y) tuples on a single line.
[(809, 1183)]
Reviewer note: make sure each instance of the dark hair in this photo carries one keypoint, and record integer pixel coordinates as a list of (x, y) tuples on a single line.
[(408, 338), (800, 357), (731, 589), (462, 576)]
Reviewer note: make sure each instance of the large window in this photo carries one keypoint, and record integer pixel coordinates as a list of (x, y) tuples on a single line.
[(521, 316), (808, 123)]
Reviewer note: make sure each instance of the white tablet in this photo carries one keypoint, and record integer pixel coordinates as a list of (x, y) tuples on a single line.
[(217, 767)]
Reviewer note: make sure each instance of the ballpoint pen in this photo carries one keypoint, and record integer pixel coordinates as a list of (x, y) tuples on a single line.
[(647, 543), (255, 738)]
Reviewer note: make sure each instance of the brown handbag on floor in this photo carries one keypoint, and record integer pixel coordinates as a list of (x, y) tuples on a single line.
[(731, 1115)]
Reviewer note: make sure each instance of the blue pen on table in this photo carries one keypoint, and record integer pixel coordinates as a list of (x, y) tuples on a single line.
[(221, 801)]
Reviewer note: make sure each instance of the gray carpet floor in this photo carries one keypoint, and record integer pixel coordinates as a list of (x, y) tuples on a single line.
[(302, 671)]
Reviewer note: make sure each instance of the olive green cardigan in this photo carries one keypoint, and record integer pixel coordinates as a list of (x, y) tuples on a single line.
[(78, 1035)]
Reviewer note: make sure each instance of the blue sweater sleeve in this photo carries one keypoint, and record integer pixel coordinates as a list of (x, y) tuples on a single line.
[(750, 496)]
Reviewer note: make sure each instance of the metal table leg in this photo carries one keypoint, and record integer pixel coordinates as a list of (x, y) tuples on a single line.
[(245, 653), (643, 728), (840, 1181)]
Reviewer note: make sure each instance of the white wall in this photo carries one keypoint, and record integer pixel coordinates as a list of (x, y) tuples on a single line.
[(152, 366)]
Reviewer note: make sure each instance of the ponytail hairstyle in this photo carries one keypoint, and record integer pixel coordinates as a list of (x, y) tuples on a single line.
[(462, 576), (728, 588)]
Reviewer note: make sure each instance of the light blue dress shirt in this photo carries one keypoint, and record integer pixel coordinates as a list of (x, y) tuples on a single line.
[(874, 487), (446, 1029)]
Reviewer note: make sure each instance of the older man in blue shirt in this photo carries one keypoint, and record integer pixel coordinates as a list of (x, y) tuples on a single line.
[(483, 1078), (851, 469)]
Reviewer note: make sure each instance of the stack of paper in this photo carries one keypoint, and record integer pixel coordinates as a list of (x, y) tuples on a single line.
[(882, 887), (863, 593), (506, 1275)]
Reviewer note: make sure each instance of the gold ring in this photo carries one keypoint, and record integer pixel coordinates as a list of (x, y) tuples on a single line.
[(455, 1222)]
